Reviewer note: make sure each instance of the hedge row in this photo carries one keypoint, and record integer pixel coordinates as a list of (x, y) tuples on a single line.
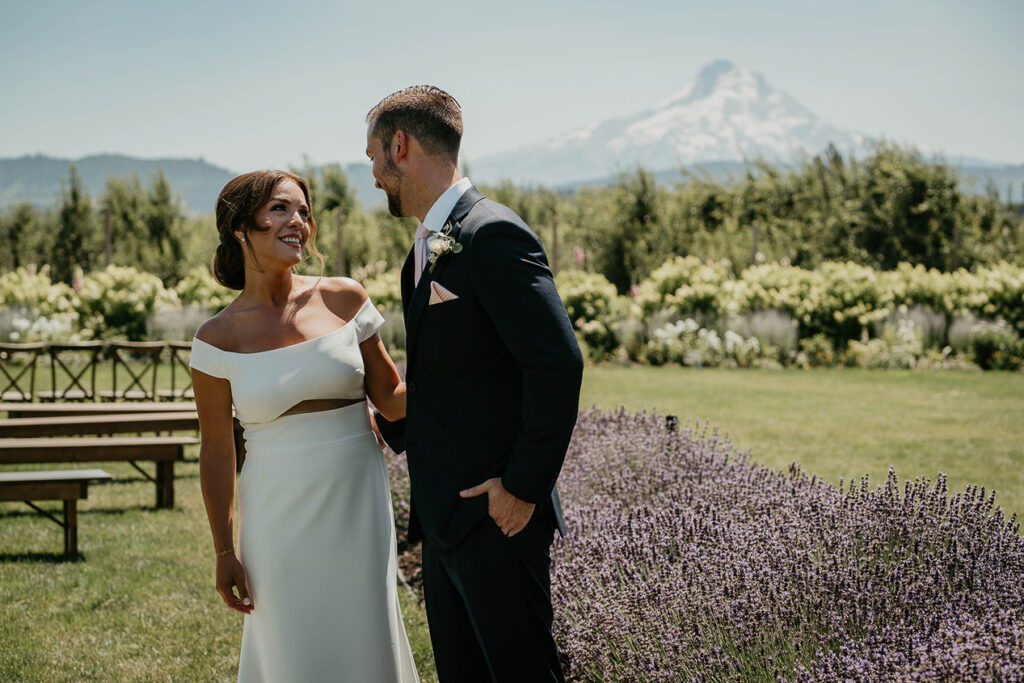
[(689, 311), (782, 313)]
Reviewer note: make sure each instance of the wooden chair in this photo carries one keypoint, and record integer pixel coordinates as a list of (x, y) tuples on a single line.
[(180, 352), (68, 486), (141, 382), (18, 370), (80, 381)]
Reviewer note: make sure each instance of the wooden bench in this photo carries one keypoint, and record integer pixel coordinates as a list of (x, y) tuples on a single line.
[(161, 450), (81, 425), (58, 409), (65, 485), (79, 419)]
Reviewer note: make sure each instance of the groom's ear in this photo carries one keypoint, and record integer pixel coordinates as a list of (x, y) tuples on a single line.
[(399, 145)]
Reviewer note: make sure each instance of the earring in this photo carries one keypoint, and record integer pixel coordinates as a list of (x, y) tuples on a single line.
[(242, 238)]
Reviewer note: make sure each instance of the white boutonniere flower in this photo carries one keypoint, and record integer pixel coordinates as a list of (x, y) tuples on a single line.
[(442, 243)]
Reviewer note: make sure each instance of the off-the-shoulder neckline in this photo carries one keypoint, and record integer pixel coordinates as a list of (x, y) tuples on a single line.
[(289, 346)]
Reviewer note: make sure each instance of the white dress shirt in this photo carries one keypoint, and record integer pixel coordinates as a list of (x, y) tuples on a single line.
[(435, 220)]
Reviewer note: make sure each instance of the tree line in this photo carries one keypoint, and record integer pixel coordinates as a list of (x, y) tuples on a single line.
[(889, 207)]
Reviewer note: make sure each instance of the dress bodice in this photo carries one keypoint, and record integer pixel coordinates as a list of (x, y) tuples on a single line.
[(265, 384)]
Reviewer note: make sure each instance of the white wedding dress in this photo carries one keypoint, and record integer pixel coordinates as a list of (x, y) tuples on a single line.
[(316, 531)]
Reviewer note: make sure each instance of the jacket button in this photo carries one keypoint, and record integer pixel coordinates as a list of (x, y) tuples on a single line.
[(411, 387)]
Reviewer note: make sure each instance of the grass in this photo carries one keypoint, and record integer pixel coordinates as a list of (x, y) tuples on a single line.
[(844, 423), (139, 604)]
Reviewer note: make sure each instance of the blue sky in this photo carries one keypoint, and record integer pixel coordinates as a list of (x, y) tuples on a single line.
[(259, 84)]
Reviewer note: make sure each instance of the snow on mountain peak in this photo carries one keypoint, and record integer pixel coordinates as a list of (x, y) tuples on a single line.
[(726, 113)]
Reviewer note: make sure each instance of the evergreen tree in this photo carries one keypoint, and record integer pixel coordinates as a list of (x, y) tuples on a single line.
[(76, 240)]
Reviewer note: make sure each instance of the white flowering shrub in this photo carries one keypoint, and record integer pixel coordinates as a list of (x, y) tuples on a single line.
[(117, 302), (592, 305), (687, 343), (199, 288), (689, 286), (384, 288), (33, 291), (899, 346), (21, 325), (33, 308)]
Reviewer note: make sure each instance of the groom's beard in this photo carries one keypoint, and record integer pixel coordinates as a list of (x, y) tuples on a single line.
[(393, 187)]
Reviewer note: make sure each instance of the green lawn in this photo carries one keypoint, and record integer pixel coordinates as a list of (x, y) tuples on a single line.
[(847, 422), (140, 604)]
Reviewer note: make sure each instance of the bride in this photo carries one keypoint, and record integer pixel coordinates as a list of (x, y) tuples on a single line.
[(314, 569)]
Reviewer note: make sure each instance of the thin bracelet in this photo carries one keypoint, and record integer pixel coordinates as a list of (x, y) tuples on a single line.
[(229, 551)]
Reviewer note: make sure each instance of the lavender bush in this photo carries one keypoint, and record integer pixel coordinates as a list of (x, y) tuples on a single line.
[(687, 561)]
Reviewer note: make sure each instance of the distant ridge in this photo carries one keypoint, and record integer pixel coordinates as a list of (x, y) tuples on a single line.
[(37, 179)]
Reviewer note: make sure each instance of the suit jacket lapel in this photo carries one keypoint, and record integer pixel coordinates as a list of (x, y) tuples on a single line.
[(465, 203), (421, 294), (406, 282), (417, 304)]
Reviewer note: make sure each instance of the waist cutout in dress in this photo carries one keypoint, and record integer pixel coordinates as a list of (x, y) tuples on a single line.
[(302, 431)]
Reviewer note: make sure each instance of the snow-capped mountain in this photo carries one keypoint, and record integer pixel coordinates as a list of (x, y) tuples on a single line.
[(727, 113)]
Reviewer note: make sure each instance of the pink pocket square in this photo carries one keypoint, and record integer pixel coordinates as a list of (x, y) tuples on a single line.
[(439, 295)]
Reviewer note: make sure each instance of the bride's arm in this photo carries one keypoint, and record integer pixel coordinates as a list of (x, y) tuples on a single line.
[(384, 386), (217, 477)]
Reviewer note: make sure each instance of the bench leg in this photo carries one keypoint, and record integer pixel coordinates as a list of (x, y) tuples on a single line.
[(165, 484), (71, 528)]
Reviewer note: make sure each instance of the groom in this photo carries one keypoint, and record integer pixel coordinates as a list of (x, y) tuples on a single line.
[(493, 381)]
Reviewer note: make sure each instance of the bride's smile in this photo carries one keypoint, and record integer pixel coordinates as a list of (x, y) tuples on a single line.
[(281, 227)]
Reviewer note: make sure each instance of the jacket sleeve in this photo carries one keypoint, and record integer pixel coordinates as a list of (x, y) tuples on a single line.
[(514, 285), (393, 432)]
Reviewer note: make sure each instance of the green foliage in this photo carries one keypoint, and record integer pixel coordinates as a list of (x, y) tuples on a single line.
[(117, 302), (34, 290), (687, 286), (385, 289), (687, 343), (24, 235), (995, 346), (199, 288), (349, 238), (890, 207), (817, 352), (832, 306), (899, 346), (145, 226), (75, 246), (590, 301), (33, 308)]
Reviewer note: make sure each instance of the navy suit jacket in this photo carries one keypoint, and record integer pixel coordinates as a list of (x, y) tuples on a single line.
[(493, 377)]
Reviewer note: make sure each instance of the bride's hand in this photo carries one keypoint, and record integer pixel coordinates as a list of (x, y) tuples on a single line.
[(231, 576)]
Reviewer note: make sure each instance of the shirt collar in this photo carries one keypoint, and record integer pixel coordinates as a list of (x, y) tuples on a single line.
[(445, 204)]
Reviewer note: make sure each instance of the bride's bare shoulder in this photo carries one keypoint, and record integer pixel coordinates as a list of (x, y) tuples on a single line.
[(219, 330), (343, 296)]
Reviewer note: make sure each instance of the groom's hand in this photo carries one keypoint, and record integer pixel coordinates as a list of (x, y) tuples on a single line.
[(508, 512)]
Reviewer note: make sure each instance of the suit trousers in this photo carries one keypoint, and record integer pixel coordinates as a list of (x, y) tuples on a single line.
[(489, 605)]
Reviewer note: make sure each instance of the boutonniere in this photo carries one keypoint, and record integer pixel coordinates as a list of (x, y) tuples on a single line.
[(441, 243)]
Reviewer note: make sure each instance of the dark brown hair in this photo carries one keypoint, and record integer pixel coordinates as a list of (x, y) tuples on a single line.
[(429, 114), (237, 205)]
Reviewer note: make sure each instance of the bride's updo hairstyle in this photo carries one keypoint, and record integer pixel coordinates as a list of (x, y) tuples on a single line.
[(237, 205)]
